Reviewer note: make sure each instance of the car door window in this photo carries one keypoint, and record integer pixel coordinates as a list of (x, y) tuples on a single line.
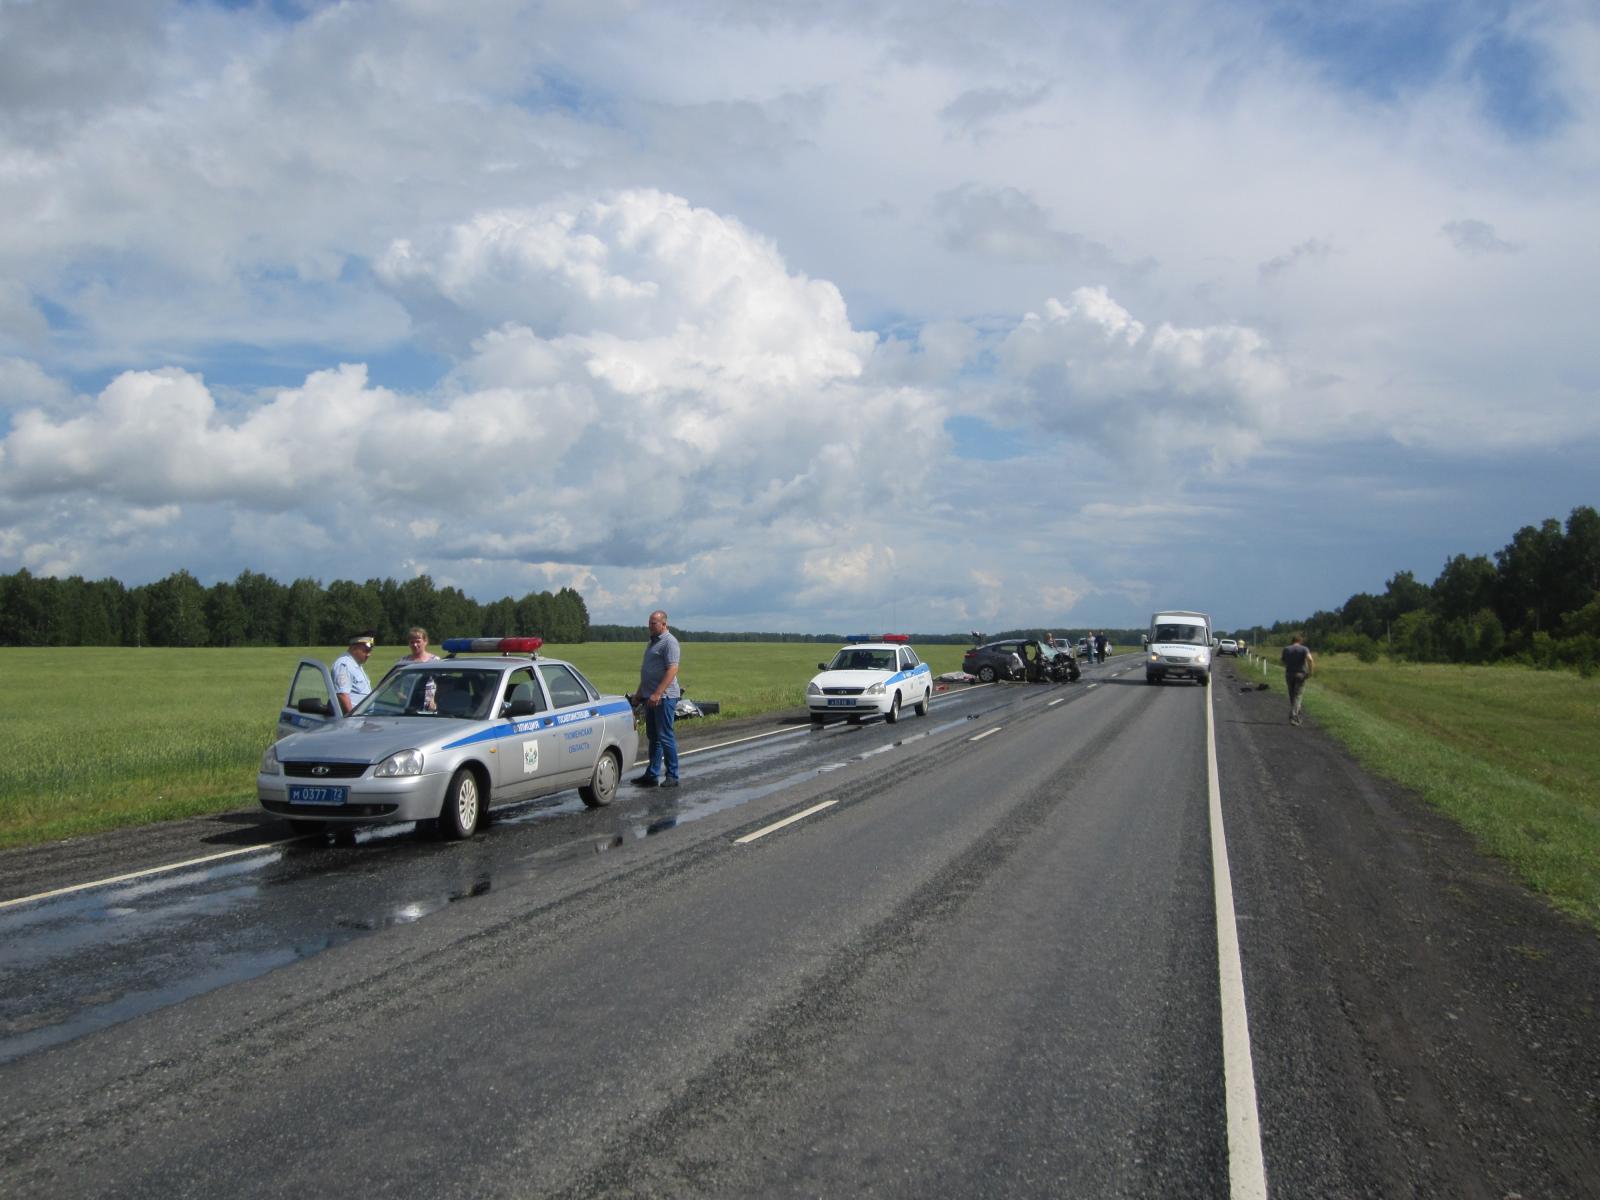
[(566, 689), (523, 686), (310, 684)]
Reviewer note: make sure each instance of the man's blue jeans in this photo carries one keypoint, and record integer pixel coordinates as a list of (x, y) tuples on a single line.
[(658, 722)]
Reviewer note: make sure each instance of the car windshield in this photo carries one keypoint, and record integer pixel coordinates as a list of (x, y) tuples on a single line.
[(462, 693), (863, 660), (1194, 635)]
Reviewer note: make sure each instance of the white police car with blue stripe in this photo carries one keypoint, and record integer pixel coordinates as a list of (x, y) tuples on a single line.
[(871, 678)]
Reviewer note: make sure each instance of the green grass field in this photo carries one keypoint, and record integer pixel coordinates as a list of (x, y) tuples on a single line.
[(100, 738), (1511, 753)]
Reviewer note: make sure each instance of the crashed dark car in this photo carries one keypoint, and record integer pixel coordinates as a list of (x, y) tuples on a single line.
[(995, 660)]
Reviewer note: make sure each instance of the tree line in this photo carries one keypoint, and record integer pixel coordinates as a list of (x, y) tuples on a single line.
[(1537, 602), (256, 610)]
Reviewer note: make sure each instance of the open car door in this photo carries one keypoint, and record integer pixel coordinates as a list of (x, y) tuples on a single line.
[(310, 702)]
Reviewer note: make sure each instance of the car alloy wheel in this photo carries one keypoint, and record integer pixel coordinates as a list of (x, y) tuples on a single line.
[(462, 806)]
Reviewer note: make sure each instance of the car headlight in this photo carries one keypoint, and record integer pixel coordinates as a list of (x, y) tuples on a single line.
[(269, 762), (875, 690), (405, 762), (812, 689)]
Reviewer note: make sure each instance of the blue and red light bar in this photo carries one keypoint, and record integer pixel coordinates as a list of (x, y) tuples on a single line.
[(489, 645), (896, 637)]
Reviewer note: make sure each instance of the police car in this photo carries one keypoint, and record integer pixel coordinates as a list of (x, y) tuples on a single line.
[(491, 723), (868, 678)]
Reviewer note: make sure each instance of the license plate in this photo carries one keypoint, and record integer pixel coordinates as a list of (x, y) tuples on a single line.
[(306, 793), (841, 703)]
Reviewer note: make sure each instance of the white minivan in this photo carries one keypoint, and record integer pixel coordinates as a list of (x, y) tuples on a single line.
[(1180, 647)]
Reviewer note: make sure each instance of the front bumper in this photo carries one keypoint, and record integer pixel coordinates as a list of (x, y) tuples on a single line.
[(1161, 666), (364, 801), (849, 706)]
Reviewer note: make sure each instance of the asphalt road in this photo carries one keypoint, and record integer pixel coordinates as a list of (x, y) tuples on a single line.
[(989, 966)]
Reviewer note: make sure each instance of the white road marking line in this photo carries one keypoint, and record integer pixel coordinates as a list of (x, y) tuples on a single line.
[(1056, 701), (986, 733), (1247, 1171), (1090, 685), (177, 866), (773, 828)]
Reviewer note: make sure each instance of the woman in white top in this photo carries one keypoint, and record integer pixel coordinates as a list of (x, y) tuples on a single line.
[(417, 636)]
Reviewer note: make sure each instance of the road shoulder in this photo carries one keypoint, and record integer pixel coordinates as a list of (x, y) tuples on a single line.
[(1387, 960)]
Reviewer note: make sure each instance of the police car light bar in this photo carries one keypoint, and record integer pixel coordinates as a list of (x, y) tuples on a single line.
[(896, 637), (489, 645), (859, 637)]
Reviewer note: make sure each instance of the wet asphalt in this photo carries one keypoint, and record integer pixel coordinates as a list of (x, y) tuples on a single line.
[(981, 960)]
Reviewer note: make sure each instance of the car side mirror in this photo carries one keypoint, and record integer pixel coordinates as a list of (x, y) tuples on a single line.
[(822, 666), (521, 708), (314, 707)]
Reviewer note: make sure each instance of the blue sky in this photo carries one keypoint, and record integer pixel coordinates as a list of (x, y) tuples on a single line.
[(798, 316)]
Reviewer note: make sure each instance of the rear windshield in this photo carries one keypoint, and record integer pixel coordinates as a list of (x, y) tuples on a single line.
[(1195, 635)]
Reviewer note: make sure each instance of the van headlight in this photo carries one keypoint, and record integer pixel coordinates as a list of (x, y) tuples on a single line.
[(1203, 658), (406, 762), (269, 762)]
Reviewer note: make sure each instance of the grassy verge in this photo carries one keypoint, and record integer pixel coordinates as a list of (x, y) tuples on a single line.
[(1510, 753), (101, 738)]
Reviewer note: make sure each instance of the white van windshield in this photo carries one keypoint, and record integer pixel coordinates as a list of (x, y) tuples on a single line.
[(1194, 635)]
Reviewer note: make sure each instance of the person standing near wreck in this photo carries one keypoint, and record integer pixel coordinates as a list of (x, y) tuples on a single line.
[(1298, 663), (658, 693)]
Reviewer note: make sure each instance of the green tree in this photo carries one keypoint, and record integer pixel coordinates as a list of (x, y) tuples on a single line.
[(1403, 594), (1361, 615), (533, 615), (225, 615), (499, 618), (177, 611), (349, 607), (1465, 586), (416, 602), (24, 610), (1529, 570), (302, 613), (1579, 574), (263, 600)]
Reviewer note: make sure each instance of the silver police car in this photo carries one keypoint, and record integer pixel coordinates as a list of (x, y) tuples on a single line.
[(445, 740)]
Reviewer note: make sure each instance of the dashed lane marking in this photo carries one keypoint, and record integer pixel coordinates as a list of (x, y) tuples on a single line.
[(777, 825)]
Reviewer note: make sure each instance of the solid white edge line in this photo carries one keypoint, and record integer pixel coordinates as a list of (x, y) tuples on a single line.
[(1247, 1171), (177, 866), (986, 733), (773, 828), (1056, 701)]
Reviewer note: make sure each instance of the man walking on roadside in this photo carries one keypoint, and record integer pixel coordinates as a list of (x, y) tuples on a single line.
[(1298, 663), (658, 693)]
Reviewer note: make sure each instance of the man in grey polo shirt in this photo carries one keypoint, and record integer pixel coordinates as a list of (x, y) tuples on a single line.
[(658, 693)]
